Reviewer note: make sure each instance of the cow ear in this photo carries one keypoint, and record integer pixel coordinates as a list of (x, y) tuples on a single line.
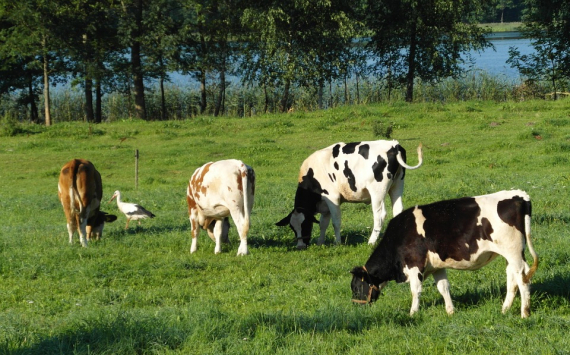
[(285, 221), (358, 271), (110, 218)]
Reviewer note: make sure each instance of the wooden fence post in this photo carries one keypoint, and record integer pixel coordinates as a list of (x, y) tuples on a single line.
[(136, 169)]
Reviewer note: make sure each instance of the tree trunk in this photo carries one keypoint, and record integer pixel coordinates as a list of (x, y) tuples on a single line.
[(221, 93), (98, 100), (138, 81), (285, 98), (203, 98), (266, 105), (346, 95), (320, 94), (163, 115), (89, 117), (46, 85), (357, 90), (411, 64), (34, 116)]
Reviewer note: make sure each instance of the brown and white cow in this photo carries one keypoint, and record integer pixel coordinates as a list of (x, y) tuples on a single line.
[(348, 172), (218, 190), (464, 234), (80, 191)]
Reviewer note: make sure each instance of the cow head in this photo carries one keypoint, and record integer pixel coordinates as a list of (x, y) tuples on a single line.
[(96, 223), (364, 291), (301, 223)]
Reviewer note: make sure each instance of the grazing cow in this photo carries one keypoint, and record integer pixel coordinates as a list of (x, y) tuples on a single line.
[(463, 234), (80, 191), (218, 190), (353, 172)]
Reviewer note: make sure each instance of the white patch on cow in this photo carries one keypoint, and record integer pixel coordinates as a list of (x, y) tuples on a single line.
[(420, 219), (414, 278)]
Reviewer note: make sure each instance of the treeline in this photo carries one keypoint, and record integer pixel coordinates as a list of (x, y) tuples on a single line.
[(277, 48)]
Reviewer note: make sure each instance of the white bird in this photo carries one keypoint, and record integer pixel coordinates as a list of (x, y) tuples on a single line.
[(131, 210)]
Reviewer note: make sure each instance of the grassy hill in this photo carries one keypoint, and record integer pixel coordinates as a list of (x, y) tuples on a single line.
[(140, 291)]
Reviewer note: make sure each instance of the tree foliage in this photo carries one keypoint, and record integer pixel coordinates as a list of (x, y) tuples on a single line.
[(423, 39), (547, 24)]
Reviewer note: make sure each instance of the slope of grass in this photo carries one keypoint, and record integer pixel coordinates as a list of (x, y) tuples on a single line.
[(141, 291)]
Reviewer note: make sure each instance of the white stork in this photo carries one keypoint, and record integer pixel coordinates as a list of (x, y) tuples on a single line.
[(131, 210)]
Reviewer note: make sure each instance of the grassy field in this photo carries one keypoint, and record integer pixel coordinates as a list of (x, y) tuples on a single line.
[(140, 291)]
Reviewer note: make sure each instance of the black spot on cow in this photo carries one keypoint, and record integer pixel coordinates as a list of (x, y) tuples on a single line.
[(336, 150), (350, 148), (364, 150), (512, 212), (308, 193), (332, 177), (349, 176), (454, 229), (336, 165), (393, 164), (378, 168)]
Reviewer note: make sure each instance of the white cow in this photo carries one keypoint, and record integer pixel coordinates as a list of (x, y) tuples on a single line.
[(218, 190), (353, 172)]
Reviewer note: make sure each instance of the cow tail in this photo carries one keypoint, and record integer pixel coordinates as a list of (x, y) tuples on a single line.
[(75, 197), (403, 163), (248, 183), (528, 275)]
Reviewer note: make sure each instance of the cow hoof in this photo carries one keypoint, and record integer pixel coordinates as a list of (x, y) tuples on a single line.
[(301, 247)]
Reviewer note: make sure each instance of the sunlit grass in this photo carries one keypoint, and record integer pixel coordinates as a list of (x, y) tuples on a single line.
[(141, 291)]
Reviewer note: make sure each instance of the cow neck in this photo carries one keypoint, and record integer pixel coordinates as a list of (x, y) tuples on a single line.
[(374, 280)]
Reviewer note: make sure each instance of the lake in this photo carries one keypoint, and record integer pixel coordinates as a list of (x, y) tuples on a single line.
[(494, 62)]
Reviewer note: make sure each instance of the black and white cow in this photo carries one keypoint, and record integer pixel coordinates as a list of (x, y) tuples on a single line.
[(348, 172), (463, 234)]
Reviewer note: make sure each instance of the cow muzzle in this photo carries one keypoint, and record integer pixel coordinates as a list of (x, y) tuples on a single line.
[(368, 299)]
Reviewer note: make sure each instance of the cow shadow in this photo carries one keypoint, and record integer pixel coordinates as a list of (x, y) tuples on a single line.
[(550, 290)]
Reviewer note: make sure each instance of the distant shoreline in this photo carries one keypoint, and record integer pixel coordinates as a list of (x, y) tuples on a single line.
[(503, 27)]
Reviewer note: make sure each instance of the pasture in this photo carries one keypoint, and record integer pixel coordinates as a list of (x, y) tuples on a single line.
[(140, 291)]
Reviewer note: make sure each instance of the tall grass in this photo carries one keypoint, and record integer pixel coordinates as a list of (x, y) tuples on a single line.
[(183, 102), (140, 291)]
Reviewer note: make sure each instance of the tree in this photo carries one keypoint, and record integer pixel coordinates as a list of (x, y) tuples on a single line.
[(547, 24), (423, 39), (28, 32), (297, 43)]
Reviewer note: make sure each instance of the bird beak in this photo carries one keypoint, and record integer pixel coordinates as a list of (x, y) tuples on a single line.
[(111, 198)]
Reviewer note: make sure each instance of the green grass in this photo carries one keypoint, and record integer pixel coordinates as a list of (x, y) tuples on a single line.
[(140, 291), (504, 26)]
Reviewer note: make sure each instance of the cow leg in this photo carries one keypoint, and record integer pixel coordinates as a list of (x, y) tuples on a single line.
[(225, 230), (442, 284), (416, 287), (218, 235), (194, 231), (242, 225), (335, 215), (524, 289), (395, 192), (379, 214), (83, 231), (515, 280), (324, 224), (70, 230)]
